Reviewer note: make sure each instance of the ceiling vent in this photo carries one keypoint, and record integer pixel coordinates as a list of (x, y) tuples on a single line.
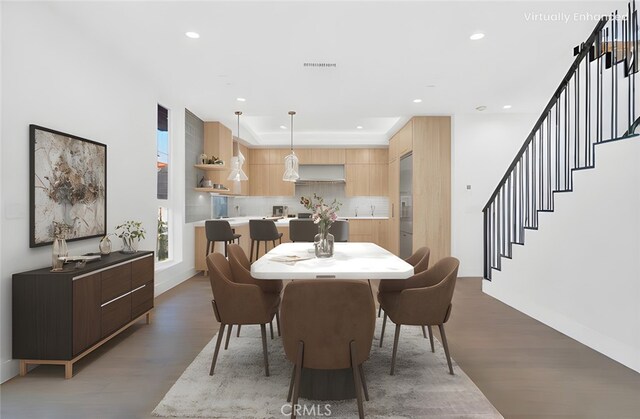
[(320, 65)]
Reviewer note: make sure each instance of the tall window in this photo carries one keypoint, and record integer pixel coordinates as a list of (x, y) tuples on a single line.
[(162, 149)]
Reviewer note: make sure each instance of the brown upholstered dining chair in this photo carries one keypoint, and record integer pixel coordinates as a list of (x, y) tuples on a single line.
[(327, 324), (303, 230), (420, 262), (241, 270), (263, 231), (240, 304), (428, 304), (219, 231)]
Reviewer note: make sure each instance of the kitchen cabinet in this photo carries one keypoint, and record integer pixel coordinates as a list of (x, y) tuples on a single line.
[(357, 179), (259, 181), (321, 155), (379, 156), (277, 186), (366, 172), (259, 156), (378, 179), (372, 231), (394, 205), (267, 167), (358, 156), (218, 142), (59, 317)]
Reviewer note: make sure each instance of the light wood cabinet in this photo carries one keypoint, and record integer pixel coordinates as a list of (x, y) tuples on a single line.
[(393, 242), (277, 186), (259, 180), (321, 155), (366, 172), (357, 178), (357, 156), (372, 231), (405, 139), (259, 156), (378, 179), (379, 156), (218, 142), (277, 155)]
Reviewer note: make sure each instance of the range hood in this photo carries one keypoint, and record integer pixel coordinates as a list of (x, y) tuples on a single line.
[(321, 173)]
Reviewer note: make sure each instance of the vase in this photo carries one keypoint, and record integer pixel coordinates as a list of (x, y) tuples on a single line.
[(129, 245), (105, 246), (59, 250), (323, 241)]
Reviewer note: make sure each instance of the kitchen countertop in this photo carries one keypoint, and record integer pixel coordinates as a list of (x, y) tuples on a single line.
[(283, 222)]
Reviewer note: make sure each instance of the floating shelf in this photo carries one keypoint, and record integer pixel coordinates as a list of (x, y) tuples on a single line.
[(218, 191), (210, 167)]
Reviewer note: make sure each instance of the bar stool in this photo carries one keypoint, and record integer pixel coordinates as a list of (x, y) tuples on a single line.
[(219, 231), (263, 231)]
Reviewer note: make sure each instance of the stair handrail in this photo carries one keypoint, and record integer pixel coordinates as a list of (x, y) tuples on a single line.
[(585, 47)]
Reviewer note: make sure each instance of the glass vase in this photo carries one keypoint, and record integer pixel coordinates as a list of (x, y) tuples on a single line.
[(59, 250), (323, 242), (129, 245), (105, 246)]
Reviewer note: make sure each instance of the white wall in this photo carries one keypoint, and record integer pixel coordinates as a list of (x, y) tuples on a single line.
[(57, 76), (580, 272), (483, 146)]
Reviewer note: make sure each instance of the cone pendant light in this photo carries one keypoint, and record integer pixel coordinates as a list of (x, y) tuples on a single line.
[(237, 174), (291, 160)]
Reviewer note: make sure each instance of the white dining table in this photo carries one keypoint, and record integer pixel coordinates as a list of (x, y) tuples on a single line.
[(351, 260)]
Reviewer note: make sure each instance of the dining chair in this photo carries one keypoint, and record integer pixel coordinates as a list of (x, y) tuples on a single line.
[(428, 304), (327, 325), (303, 230), (241, 270), (420, 262), (340, 231), (263, 231), (238, 304), (219, 231)]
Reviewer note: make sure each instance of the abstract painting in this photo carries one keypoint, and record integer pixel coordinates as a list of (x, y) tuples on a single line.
[(68, 189)]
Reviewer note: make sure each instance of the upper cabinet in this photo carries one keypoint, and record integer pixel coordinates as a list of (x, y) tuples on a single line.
[(321, 155), (366, 171), (266, 166), (402, 142)]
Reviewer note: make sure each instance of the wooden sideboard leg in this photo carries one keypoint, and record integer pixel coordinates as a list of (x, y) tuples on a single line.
[(148, 318), (23, 368), (68, 370)]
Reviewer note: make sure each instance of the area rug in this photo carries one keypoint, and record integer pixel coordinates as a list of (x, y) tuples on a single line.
[(421, 387)]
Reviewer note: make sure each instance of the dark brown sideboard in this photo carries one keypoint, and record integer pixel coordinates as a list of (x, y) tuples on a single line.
[(59, 317)]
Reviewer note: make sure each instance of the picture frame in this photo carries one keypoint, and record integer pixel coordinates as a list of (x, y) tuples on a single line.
[(67, 187)]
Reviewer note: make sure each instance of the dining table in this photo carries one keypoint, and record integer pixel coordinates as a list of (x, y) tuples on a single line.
[(350, 260)]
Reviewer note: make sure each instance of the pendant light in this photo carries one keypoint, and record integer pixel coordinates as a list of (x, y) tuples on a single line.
[(291, 160), (237, 174)]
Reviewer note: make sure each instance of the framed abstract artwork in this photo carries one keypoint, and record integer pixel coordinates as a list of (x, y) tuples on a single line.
[(68, 187)]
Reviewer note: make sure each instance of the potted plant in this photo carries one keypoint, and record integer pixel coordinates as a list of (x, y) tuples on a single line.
[(130, 232)]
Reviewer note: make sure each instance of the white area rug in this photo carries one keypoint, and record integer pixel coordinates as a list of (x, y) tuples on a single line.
[(421, 387)]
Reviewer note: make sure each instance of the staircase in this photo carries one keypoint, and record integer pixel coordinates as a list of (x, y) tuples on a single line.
[(594, 104)]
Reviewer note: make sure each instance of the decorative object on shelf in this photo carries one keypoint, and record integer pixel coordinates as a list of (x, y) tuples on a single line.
[(105, 245), (237, 174), (291, 173), (204, 159), (130, 232), (59, 248), (324, 215), (68, 182)]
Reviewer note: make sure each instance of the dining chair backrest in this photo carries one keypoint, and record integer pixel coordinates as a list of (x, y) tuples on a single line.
[(420, 262), (263, 230), (326, 315), (340, 230), (218, 231), (419, 259), (303, 230)]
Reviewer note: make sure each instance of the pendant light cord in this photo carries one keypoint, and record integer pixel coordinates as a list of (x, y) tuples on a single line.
[(292, 113)]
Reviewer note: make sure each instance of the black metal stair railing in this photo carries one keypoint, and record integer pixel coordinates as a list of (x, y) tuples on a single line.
[(594, 103)]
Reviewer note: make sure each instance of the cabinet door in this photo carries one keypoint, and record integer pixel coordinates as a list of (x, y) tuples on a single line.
[(259, 181), (393, 148), (379, 156), (259, 156), (115, 282), (357, 155), (142, 271), (382, 233), (405, 139), (394, 202), (379, 179), (277, 155), (357, 177), (86, 312), (277, 186), (141, 299), (360, 230), (115, 315)]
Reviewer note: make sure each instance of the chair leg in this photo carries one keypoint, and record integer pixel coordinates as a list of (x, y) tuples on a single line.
[(274, 244), (395, 348), (263, 329), (433, 349), (258, 249), (225, 248), (424, 332), (446, 347), (379, 310), (271, 328), (226, 344), (278, 322), (251, 252), (238, 334), (364, 383), (356, 378), (296, 385), (293, 376), (215, 353), (384, 323)]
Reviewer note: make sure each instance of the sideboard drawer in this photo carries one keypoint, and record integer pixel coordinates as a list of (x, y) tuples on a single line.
[(116, 314), (142, 271), (115, 282), (142, 299)]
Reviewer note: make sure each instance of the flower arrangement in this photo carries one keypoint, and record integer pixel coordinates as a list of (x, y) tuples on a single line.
[(130, 232), (323, 214)]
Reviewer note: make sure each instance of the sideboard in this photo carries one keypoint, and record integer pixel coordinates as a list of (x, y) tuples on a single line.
[(59, 317)]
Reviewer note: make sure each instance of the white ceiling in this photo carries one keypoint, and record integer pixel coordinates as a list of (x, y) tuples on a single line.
[(387, 54)]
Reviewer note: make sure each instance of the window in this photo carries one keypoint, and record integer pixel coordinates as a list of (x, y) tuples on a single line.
[(162, 151), (162, 250)]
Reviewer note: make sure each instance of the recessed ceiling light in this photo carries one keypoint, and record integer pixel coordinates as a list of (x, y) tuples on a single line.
[(481, 108), (476, 36), (506, 107), (283, 127), (192, 35), (431, 85), (359, 127), (417, 100), (241, 99)]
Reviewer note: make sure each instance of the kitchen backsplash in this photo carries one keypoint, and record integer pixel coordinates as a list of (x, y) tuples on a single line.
[(263, 205)]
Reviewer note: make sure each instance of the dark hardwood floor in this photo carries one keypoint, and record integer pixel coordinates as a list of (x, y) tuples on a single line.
[(526, 369)]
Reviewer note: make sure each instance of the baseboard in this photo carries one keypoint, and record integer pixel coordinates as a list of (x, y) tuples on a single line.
[(8, 370), (616, 350)]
